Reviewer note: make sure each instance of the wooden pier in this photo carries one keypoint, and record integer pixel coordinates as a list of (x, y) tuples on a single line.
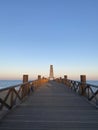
[(52, 106)]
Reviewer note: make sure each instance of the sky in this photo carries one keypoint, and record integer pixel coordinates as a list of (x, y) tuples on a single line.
[(35, 34)]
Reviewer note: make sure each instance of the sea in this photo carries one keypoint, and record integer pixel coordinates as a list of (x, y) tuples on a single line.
[(8, 83)]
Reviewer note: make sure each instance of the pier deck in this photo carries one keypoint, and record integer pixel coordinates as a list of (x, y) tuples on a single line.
[(52, 106)]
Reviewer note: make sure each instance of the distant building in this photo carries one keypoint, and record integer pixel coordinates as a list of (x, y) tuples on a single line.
[(51, 75)]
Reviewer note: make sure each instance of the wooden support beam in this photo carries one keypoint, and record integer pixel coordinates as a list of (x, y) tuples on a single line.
[(25, 78), (83, 84)]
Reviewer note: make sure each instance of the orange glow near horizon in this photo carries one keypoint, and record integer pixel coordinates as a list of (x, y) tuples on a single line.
[(32, 77)]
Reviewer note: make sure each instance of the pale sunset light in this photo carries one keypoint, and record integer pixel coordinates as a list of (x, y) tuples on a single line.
[(37, 33), (48, 64)]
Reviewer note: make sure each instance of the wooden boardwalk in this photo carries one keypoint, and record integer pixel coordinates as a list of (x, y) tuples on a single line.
[(53, 106)]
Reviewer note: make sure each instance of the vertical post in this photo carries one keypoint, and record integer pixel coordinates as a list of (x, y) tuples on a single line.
[(65, 79), (39, 77), (39, 81), (25, 78), (11, 99), (25, 87), (83, 83), (65, 76)]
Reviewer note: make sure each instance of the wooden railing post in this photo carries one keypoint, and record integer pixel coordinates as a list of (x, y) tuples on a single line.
[(65, 79), (11, 99), (83, 83), (39, 80), (25, 78), (39, 77), (25, 87)]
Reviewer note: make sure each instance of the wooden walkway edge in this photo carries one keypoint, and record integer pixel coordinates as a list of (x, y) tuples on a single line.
[(52, 106)]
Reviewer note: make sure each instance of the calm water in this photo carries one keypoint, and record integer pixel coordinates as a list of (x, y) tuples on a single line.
[(94, 82), (7, 83)]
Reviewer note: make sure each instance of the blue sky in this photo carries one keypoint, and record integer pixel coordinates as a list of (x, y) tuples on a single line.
[(37, 33)]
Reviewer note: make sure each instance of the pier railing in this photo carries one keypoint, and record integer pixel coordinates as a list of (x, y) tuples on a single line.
[(81, 87), (13, 95)]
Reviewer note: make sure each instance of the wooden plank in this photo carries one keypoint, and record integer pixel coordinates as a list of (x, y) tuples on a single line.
[(52, 106)]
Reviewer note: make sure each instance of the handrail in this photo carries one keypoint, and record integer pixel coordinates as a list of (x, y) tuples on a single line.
[(13, 86), (87, 90), (13, 95)]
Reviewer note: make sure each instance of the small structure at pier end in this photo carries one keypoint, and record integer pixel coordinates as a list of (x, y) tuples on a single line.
[(51, 75)]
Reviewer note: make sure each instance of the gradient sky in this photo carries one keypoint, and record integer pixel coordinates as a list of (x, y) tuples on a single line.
[(37, 33)]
